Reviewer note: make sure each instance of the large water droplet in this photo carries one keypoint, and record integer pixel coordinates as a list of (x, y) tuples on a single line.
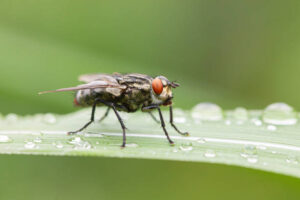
[(279, 114), (4, 138), (210, 154), (240, 114), (30, 145), (11, 118), (49, 118), (207, 112)]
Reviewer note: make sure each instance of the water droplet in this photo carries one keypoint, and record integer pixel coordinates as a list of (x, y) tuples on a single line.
[(132, 145), (252, 159), (271, 128), (292, 160), (186, 148), (261, 147), (4, 138), (249, 150), (207, 112), (49, 118), (79, 143), (97, 142), (58, 144), (257, 122), (210, 154), (37, 140), (240, 114), (11, 118), (30, 145), (279, 114), (227, 122), (201, 140)]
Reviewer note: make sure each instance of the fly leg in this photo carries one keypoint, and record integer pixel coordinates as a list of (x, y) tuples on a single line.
[(105, 115), (153, 117), (87, 124), (111, 105), (163, 125), (173, 125)]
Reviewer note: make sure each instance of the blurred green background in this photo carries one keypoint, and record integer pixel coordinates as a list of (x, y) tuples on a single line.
[(233, 53)]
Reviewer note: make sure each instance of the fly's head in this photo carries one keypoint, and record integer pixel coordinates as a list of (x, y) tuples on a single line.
[(161, 92)]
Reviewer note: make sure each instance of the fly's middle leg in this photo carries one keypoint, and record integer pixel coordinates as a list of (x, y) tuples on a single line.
[(105, 115)]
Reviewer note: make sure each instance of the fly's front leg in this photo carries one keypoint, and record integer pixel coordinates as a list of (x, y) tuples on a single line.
[(87, 124), (163, 125), (173, 125)]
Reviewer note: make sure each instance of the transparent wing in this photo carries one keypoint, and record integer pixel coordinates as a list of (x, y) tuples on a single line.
[(90, 85), (87, 78)]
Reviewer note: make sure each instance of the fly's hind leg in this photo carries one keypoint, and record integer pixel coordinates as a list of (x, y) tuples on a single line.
[(173, 125), (87, 124)]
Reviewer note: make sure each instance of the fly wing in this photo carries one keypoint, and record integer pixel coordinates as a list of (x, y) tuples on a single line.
[(90, 85), (87, 78)]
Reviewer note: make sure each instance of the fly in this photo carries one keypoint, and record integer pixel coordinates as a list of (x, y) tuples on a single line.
[(124, 92)]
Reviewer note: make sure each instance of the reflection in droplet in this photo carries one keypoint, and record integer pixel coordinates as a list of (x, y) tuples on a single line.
[(80, 144), (279, 114), (4, 138), (210, 154), (207, 112)]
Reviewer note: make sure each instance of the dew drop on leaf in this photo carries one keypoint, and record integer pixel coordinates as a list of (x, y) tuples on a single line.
[(4, 138), (210, 154), (207, 112), (279, 114)]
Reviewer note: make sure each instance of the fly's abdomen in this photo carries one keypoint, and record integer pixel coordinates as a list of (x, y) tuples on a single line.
[(84, 98)]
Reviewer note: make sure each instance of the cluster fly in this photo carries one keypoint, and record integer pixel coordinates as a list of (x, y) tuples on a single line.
[(124, 92)]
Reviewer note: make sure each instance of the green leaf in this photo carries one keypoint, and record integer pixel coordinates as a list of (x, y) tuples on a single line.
[(239, 138)]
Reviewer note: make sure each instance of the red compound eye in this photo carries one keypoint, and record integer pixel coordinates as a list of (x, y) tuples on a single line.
[(157, 86), (76, 102)]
